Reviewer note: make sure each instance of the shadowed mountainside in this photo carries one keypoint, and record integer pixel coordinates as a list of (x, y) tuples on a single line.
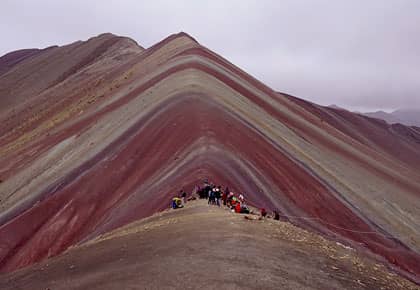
[(98, 134)]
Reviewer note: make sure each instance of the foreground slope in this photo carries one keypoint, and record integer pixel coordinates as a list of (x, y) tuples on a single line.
[(202, 247), (118, 133)]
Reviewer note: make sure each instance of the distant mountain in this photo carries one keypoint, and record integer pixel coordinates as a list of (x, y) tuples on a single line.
[(410, 117), (388, 117)]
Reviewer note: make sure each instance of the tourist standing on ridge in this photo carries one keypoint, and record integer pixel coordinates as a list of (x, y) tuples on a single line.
[(217, 195), (263, 213), (212, 197), (224, 198), (207, 189), (225, 195), (276, 215), (183, 196)]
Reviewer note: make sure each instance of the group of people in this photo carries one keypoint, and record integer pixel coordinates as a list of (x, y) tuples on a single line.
[(212, 193), (215, 195)]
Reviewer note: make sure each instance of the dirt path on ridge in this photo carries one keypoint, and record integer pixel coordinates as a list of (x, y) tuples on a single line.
[(204, 247)]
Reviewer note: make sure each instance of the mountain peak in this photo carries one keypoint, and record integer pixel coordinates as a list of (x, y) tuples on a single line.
[(98, 134)]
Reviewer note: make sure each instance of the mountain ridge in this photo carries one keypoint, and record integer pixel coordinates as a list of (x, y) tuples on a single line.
[(228, 121)]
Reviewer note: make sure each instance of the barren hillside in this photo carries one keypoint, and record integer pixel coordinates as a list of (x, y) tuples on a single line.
[(97, 134)]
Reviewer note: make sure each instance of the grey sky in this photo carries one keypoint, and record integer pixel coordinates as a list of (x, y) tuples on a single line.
[(362, 54)]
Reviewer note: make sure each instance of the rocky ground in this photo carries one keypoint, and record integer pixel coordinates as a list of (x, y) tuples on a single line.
[(206, 247)]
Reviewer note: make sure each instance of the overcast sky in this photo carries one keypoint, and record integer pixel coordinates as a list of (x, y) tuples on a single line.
[(362, 55)]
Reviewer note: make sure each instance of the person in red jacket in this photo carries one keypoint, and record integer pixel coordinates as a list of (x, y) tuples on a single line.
[(238, 207), (263, 212)]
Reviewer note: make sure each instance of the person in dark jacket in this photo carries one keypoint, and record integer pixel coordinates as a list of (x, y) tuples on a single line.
[(183, 196), (207, 189), (212, 196), (217, 195), (225, 195)]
